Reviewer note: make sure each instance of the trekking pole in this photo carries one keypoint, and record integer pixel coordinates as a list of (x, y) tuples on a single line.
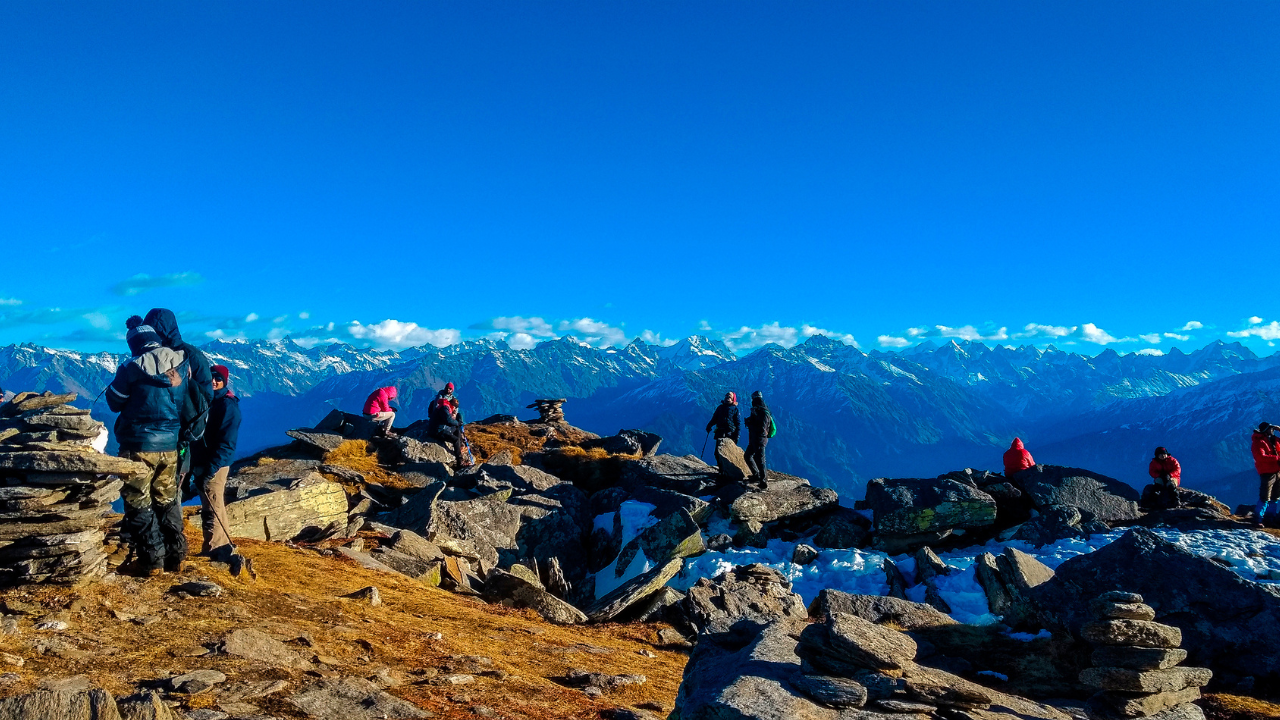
[(704, 446)]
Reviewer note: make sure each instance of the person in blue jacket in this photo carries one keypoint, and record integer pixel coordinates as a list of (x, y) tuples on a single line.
[(148, 392), (197, 395), (211, 463)]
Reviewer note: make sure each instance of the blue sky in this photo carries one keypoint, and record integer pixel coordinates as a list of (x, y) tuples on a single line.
[(1097, 174)]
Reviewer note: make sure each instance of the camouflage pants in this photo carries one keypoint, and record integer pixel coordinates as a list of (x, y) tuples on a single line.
[(153, 509)]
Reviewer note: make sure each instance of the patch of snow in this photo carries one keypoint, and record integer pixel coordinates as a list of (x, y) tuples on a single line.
[(992, 673), (1028, 637), (607, 580)]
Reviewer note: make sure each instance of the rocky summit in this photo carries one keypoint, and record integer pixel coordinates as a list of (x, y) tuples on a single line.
[(568, 574)]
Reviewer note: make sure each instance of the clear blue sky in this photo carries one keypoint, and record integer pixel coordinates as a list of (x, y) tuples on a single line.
[(869, 169)]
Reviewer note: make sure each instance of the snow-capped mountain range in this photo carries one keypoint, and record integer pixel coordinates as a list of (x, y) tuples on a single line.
[(844, 415)]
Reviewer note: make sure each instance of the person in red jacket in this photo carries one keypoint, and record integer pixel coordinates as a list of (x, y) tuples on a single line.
[(1017, 459), (1166, 471), (378, 409), (1266, 460)]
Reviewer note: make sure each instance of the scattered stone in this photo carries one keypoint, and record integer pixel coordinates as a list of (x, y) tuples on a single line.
[(837, 692), (912, 507), (256, 645), (280, 508), (804, 554), (633, 591), (9, 659), (52, 625), (368, 594), (577, 677), (510, 588), (352, 699), (878, 609), (843, 644), (198, 588), (196, 682), (742, 601), (783, 501)]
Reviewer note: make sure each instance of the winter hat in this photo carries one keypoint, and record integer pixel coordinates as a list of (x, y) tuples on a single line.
[(448, 387), (1265, 426), (223, 372), (757, 395), (141, 338), (1161, 451), (731, 398)]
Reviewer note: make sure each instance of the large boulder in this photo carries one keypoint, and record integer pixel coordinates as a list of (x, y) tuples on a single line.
[(281, 508), (844, 528), (914, 507), (878, 609), (742, 601), (80, 704), (526, 592), (1008, 581), (783, 501), (633, 591), (668, 502), (647, 441), (751, 683), (1051, 524), (688, 474), (731, 461), (1097, 496), (1229, 624)]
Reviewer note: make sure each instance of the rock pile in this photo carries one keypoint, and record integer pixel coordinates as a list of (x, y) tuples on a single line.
[(1136, 664), (56, 488), (549, 410)]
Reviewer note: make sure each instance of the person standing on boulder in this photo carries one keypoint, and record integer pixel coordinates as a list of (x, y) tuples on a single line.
[(726, 420), (1166, 471), (377, 408), (444, 425), (211, 462), (148, 393), (1017, 459), (760, 428), (1266, 459), (198, 393)]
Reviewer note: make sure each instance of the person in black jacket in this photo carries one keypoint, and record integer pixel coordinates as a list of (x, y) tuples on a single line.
[(443, 425), (211, 462), (726, 421), (199, 393), (759, 426), (148, 391)]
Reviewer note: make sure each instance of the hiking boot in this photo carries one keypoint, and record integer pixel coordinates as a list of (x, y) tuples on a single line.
[(173, 564)]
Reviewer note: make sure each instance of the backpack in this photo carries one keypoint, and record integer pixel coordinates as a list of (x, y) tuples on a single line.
[(773, 426)]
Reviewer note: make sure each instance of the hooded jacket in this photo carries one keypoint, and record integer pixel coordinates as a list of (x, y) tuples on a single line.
[(727, 421), (1017, 459), (199, 393), (758, 422), (1265, 457), (440, 414), (380, 401), (218, 446), (148, 391), (1168, 466)]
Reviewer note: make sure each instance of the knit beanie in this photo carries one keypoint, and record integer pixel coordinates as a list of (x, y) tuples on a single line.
[(141, 338), (448, 387), (223, 372)]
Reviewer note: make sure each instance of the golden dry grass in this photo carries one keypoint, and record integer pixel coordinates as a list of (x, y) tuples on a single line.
[(1235, 707), (297, 595), (362, 456)]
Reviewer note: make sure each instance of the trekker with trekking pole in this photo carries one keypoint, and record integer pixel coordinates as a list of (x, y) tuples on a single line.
[(726, 421), (760, 427), (1167, 473), (1266, 460), (444, 424), (211, 463)]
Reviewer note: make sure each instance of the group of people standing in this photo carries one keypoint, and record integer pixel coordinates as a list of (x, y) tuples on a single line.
[(179, 418), (726, 422)]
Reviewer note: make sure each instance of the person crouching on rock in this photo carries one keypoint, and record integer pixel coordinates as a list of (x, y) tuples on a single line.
[(760, 428), (1266, 459), (378, 409), (443, 425), (726, 420), (1166, 471), (1017, 459), (148, 391), (211, 464)]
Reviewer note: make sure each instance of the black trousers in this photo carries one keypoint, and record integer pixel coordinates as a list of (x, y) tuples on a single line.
[(450, 435), (755, 457)]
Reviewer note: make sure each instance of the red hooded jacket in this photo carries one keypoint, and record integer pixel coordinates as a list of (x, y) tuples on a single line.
[(379, 401), (1168, 466), (1016, 458), (1265, 457)]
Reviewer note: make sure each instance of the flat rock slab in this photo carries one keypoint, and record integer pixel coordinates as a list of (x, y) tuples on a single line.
[(256, 645), (1137, 658), (520, 592), (353, 699), (878, 609), (837, 692), (844, 641), (1105, 498), (783, 501), (633, 591), (281, 508), (1117, 705), (1132, 632), (1146, 681), (50, 461)]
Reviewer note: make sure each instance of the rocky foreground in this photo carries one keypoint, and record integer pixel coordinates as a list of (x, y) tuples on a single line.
[(382, 582)]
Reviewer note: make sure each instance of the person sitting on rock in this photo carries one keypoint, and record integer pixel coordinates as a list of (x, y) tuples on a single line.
[(726, 420), (1166, 471), (378, 409), (760, 428), (1017, 459), (148, 393), (444, 425), (211, 463), (1266, 460)]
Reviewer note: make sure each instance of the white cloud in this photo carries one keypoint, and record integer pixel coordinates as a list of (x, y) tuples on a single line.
[(98, 320), (654, 338), (1034, 330), (893, 342), (1153, 338), (521, 341), (142, 282), (704, 326), (396, 334), (10, 301), (279, 319), (809, 331), (917, 331), (251, 317), (276, 333), (593, 332), (1193, 325), (1150, 351), (1094, 334), (1176, 336), (534, 326), (304, 315), (745, 338), (1270, 331), (220, 334)]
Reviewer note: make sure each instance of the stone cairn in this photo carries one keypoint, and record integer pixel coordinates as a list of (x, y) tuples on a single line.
[(549, 410), (56, 491), (849, 662), (1135, 664)]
